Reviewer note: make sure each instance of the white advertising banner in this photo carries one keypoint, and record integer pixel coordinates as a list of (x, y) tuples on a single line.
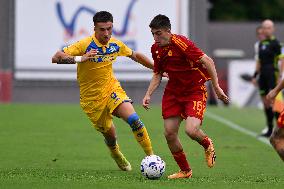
[(42, 27), (241, 91)]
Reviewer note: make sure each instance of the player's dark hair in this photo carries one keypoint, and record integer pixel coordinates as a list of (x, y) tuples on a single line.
[(160, 22), (102, 16)]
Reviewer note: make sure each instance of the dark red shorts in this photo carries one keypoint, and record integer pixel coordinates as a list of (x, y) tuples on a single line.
[(184, 105), (280, 121)]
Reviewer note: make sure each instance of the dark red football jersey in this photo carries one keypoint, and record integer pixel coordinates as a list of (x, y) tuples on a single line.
[(180, 59)]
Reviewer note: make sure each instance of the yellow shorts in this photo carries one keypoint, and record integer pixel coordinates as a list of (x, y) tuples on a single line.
[(100, 112)]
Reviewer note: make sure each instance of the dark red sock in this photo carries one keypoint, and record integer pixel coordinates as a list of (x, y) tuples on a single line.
[(181, 160), (205, 143)]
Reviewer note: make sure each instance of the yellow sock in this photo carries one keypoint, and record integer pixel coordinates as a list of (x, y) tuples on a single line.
[(142, 137), (114, 150)]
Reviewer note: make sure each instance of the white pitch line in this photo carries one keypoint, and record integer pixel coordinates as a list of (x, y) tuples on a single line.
[(236, 127)]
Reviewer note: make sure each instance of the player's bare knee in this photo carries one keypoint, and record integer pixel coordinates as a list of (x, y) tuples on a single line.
[(170, 136), (192, 131)]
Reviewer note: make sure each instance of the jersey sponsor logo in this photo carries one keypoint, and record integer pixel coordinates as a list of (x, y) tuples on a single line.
[(107, 55), (103, 59)]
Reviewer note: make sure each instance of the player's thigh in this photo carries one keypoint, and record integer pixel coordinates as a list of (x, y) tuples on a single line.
[(93, 110), (124, 110), (98, 114), (104, 123), (119, 104), (171, 107)]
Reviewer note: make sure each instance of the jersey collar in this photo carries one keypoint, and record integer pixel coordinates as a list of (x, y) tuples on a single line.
[(170, 42), (98, 43)]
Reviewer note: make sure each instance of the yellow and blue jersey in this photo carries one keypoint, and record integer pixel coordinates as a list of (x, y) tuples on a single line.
[(95, 76)]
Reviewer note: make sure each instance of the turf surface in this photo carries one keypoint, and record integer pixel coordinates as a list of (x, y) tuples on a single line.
[(54, 146)]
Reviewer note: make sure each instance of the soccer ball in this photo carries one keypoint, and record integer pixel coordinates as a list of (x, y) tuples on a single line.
[(152, 167)]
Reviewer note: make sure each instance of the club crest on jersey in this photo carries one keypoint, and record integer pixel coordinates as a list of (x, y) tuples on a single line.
[(112, 49), (170, 53)]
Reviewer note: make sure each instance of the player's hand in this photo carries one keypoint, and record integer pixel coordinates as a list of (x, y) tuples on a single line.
[(221, 95), (271, 96), (254, 82), (165, 74), (146, 102), (89, 55)]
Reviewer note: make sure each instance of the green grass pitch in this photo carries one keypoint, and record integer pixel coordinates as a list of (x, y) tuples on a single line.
[(54, 146)]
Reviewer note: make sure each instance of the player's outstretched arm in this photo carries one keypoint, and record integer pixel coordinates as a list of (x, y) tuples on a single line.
[(155, 82), (63, 58), (142, 59), (210, 66)]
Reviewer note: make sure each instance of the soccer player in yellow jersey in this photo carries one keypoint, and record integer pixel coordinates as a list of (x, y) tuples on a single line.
[(101, 95)]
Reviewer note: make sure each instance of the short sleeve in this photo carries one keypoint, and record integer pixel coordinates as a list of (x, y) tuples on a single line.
[(190, 50), (277, 48), (124, 50), (75, 49)]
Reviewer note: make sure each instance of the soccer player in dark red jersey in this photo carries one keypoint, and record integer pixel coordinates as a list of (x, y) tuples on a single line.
[(185, 95)]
